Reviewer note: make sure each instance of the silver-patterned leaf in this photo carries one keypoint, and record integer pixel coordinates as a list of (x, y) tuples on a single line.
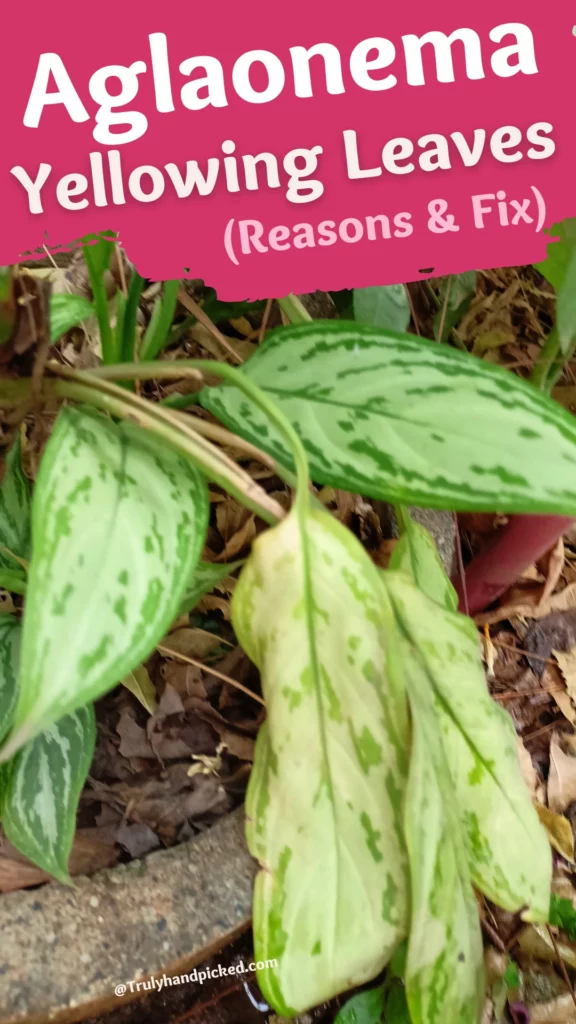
[(385, 306), (325, 798), (10, 635), (14, 512), (509, 854), (444, 970), (42, 788), (118, 527), (416, 554), (406, 420)]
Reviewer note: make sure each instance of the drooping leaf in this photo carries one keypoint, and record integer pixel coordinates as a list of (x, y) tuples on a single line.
[(15, 504), (118, 524), (455, 300), (416, 554), (444, 976), (382, 307), (326, 793), (139, 683), (67, 311), (42, 788), (205, 577), (480, 748), (10, 631), (409, 421), (363, 1008)]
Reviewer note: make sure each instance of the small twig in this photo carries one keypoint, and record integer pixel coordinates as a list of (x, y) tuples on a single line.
[(412, 310), (521, 650), (121, 270), (188, 302), (200, 1007), (444, 309), (211, 671), (265, 319), (562, 965), (493, 935), (460, 562)]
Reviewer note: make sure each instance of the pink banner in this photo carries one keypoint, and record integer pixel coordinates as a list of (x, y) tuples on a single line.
[(269, 149)]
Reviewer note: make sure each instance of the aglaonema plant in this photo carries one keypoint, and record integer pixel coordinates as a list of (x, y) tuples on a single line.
[(386, 785)]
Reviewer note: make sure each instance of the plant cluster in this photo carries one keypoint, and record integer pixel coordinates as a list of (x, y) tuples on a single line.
[(386, 784)]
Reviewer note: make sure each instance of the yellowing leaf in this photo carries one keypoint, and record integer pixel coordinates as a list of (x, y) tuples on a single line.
[(558, 830), (325, 801), (480, 748), (140, 684), (444, 976)]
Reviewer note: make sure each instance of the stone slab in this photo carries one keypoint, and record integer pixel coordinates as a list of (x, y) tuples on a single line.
[(64, 950)]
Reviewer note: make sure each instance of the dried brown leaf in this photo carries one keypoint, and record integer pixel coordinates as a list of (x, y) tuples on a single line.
[(558, 830), (562, 777)]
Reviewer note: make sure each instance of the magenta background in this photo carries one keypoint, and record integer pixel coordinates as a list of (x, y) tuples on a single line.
[(164, 237)]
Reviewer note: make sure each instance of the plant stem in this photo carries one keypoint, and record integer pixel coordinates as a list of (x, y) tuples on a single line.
[(109, 354), (9, 581), (191, 367), (155, 339), (294, 310), (102, 394), (542, 368)]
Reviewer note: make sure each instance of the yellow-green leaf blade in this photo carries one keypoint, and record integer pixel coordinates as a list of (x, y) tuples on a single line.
[(444, 978), (325, 799), (508, 851)]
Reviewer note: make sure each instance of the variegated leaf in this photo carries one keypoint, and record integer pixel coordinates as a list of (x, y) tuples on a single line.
[(416, 554), (10, 631), (326, 794), (406, 420), (14, 512), (508, 851), (118, 527), (42, 788), (444, 975)]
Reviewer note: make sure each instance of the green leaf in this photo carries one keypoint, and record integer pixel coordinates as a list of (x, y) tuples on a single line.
[(97, 257), (10, 631), (397, 1011), (364, 1008), (127, 338), (325, 797), (444, 976), (118, 526), (67, 311), (409, 421), (43, 785), (205, 577), (416, 554), (480, 748), (455, 300), (563, 915), (511, 976), (15, 507), (383, 307), (7, 304)]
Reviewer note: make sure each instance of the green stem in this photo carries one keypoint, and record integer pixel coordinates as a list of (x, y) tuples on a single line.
[(128, 346), (9, 581), (109, 354), (294, 310), (188, 367), (155, 339), (548, 356)]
